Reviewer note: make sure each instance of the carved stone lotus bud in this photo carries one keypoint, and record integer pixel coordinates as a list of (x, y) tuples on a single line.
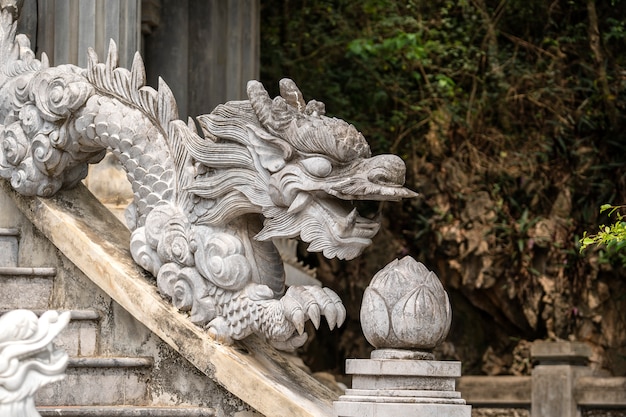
[(405, 307)]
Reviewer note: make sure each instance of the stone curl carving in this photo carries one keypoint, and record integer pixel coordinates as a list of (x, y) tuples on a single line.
[(206, 204), (28, 359)]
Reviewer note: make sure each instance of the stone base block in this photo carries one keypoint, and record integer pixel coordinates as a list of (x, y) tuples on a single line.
[(402, 388), (399, 382), (374, 409), (403, 393), (443, 369)]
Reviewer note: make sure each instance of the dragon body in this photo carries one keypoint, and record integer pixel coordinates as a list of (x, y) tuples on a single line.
[(207, 203)]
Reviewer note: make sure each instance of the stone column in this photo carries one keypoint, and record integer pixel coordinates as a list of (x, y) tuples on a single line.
[(559, 364), (405, 314)]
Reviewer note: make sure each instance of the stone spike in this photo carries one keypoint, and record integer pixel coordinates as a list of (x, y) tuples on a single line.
[(167, 109), (138, 73), (112, 56), (45, 62)]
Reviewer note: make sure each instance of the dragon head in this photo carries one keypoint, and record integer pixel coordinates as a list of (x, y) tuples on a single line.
[(28, 359), (303, 171)]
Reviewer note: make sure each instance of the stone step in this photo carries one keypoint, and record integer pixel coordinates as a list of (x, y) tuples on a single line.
[(81, 336), (102, 381), (23, 287), (117, 411), (9, 241)]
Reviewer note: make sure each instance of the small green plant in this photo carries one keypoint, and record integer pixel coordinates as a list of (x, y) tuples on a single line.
[(613, 236)]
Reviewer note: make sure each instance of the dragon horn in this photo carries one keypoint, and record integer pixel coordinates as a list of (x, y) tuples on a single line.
[(292, 94), (275, 115)]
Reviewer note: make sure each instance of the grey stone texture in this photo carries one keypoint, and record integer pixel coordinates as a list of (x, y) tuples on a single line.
[(8, 247), (443, 369), (396, 382), (372, 409), (560, 364), (500, 412)]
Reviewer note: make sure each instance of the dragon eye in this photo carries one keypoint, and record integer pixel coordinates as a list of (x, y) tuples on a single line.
[(317, 166)]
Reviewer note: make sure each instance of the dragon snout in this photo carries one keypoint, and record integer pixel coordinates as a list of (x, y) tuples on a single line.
[(386, 170)]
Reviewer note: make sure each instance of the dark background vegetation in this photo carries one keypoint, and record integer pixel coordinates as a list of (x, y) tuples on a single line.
[(509, 115)]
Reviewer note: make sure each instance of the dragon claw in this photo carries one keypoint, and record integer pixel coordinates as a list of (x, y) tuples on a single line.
[(303, 303), (331, 316), (298, 321), (315, 315), (336, 301)]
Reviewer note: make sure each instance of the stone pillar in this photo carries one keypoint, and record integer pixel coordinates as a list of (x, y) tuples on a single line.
[(67, 28), (559, 364), (405, 314)]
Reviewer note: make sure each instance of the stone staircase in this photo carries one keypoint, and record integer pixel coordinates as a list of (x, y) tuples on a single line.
[(96, 385)]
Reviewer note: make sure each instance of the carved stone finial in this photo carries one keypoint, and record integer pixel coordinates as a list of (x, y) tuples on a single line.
[(405, 314), (28, 360), (405, 311)]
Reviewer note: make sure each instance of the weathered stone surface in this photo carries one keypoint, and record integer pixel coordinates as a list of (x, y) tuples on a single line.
[(553, 388), (500, 412), (125, 411), (173, 381), (447, 369), (501, 391), (28, 288), (99, 381), (8, 247), (561, 351), (597, 392), (404, 393), (400, 382), (347, 409), (80, 337), (405, 314)]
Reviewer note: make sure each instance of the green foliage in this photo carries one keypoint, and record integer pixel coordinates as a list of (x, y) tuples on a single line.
[(612, 236)]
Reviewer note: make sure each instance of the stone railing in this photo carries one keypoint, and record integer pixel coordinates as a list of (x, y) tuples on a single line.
[(562, 384)]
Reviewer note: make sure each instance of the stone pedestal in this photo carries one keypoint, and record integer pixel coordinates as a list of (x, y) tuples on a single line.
[(405, 314), (402, 387), (558, 366)]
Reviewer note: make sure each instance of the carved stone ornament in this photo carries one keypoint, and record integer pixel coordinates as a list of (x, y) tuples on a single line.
[(206, 204), (28, 359), (405, 307)]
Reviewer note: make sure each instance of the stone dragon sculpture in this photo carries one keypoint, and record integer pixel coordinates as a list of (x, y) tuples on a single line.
[(28, 359), (206, 204)]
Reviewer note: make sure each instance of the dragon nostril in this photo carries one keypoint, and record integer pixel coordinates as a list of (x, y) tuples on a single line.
[(386, 170)]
